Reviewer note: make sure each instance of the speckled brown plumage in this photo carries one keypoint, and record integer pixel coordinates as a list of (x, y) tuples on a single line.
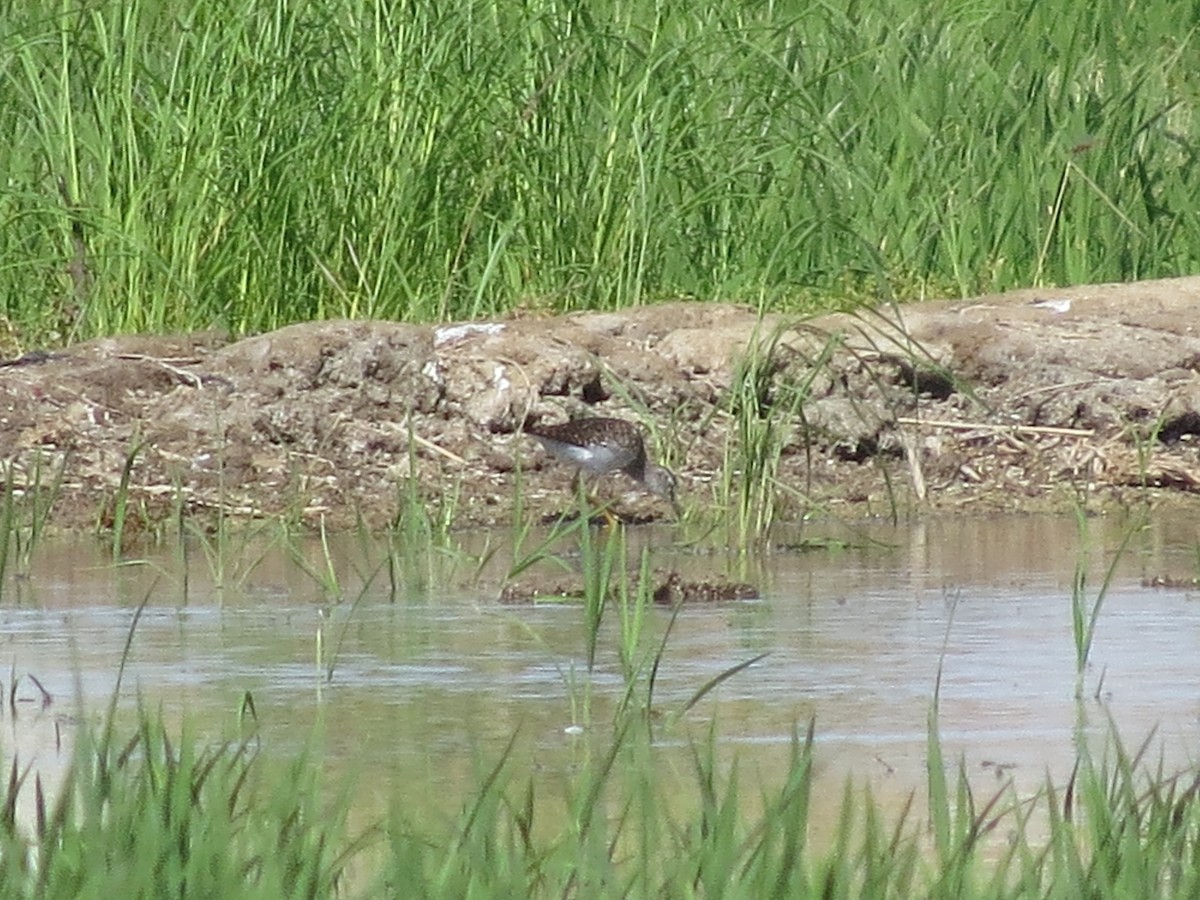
[(602, 445)]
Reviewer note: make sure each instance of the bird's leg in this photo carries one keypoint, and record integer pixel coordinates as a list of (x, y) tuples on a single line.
[(590, 503), (610, 519), (604, 507)]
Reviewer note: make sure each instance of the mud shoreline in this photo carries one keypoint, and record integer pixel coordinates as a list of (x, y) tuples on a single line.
[(1036, 399)]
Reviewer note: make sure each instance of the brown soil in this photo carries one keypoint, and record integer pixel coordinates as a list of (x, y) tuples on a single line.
[(1031, 399)]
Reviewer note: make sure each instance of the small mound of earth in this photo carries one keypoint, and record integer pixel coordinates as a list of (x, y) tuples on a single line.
[(671, 590), (1032, 399), (676, 590), (1171, 583)]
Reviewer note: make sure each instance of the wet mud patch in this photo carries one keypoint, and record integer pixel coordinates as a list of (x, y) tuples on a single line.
[(1032, 399)]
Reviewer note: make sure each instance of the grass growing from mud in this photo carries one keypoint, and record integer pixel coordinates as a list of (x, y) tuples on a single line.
[(766, 405), (179, 165)]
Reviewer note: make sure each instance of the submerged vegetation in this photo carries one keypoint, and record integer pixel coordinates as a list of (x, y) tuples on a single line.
[(248, 164)]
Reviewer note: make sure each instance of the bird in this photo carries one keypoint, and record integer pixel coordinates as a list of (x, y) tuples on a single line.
[(600, 445)]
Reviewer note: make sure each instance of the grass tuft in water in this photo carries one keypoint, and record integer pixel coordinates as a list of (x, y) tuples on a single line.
[(1085, 613), (118, 513), (29, 495)]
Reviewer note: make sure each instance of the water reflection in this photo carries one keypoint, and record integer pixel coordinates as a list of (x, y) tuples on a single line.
[(418, 686)]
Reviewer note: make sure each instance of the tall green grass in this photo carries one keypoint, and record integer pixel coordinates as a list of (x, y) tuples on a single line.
[(249, 163)]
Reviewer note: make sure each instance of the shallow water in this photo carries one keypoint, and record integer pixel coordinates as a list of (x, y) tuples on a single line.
[(420, 687)]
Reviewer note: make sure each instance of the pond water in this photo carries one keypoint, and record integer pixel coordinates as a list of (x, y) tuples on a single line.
[(419, 686)]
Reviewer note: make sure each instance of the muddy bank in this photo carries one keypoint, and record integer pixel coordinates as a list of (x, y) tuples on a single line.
[(1030, 399)]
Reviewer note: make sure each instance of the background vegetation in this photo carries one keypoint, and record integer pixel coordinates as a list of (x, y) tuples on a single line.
[(246, 163)]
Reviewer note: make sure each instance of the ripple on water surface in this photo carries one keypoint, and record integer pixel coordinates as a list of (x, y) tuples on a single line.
[(855, 640)]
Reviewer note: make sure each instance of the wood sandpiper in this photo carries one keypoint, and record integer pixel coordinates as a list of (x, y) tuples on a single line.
[(600, 446)]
